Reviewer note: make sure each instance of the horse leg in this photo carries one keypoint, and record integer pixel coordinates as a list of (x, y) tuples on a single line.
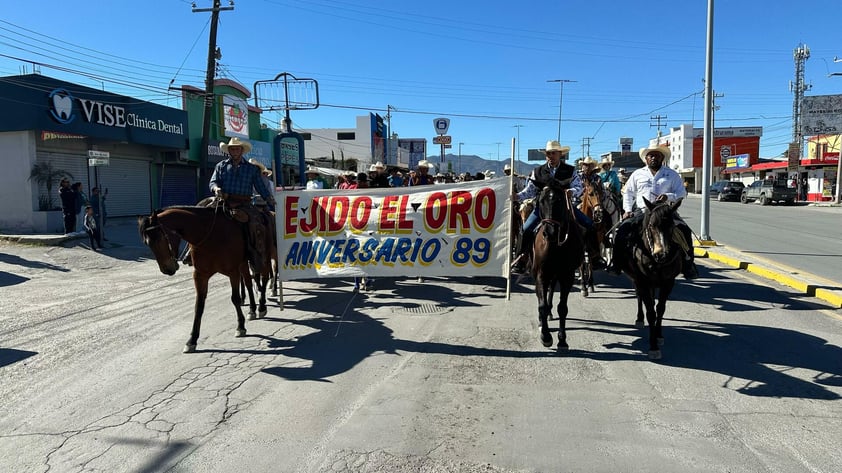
[(586, 276), (262, 284), (638, 322), (235, 299), (550, 295), (566, 282), (245, 276), (648, 296), (661, 308), (200, 282), (544, 310)]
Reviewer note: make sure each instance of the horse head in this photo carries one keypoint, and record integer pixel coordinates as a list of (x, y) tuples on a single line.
[(161, 241), (554, 208), (659, 228), (592, 197)]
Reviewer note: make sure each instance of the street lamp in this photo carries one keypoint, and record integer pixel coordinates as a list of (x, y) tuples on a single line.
[(560, 98)]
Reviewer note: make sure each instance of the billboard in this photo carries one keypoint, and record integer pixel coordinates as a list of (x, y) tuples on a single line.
[(415, 148), (821, 114)]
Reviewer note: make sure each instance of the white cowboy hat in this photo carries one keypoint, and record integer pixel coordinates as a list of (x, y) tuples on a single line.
[(235, 141), (312, 170), (372, 168), (507, 167), (378, 165), (553, 145), (606, 160), (588, 160), (423, 163), (664, 150), (260, 165)]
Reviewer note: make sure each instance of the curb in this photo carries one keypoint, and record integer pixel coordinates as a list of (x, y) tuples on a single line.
[(833, 297)]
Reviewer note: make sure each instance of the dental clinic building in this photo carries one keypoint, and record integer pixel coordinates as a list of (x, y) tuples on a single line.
[(48, 121)]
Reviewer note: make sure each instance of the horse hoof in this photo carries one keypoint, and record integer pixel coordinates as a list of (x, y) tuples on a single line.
[(661, 342), (240, 333), (563, 347), (639, 324), (252, 315), (654, 354), (261, 313), (546, 340), (274, 293), (585, 293), (189, 349)]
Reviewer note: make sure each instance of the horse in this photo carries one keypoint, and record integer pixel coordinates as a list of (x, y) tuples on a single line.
[(655, 261), (558, 251), (603, 209), (217, 245)]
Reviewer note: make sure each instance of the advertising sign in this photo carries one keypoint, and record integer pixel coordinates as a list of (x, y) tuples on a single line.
[(416, 148), (235, 116), (443, 230), (821, 114)]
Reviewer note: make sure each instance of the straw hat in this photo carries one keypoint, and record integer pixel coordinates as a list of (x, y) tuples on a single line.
[(507, 167), (312, 170), (664, 150), (262, 168), (378, 165), (235, 141), (606, 160), (423, 163), (588, 160), (554, 145)]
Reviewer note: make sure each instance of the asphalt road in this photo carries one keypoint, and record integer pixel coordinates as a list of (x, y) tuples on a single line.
[(442, 376)]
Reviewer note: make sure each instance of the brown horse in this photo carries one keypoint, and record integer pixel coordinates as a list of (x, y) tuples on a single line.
[(557, 252), (656, 259), (217, 246), (603, 209)]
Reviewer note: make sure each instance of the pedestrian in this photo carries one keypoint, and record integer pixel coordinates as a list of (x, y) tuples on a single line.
[(422, 176), (655, 182), (314, 181), (362, 181), (68, 206), (92, 228), (395, 178), (378, 178), (100, 211), (81, 202)]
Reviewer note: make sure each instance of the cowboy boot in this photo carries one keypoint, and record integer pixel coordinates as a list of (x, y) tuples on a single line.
[(524, 251)]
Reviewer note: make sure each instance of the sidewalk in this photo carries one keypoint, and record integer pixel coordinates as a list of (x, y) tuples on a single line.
[(120, 231)]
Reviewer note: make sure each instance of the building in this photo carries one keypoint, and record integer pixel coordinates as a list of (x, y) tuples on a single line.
[(61, 124), (348, 148)]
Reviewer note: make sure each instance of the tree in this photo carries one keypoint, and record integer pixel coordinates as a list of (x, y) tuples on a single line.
[(46, 174)]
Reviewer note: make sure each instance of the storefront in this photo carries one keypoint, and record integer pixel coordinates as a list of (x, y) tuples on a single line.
[(815, 179), (54, 124)]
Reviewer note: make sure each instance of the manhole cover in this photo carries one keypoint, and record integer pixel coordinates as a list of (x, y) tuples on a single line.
[(425, 309)]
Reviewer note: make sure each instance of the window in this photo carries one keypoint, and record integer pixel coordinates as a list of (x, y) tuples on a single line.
[(347, 135)]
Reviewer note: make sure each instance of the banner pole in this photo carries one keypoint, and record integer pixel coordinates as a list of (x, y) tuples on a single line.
[(509, 223)]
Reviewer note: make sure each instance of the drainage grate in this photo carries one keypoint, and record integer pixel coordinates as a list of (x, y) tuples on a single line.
[(426, 309)]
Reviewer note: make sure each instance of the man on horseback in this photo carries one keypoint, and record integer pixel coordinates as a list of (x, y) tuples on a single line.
[(233, 180), (655, 182), (553, 169)]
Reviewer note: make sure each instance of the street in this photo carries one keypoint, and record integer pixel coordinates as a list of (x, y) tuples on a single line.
[(440, 376)]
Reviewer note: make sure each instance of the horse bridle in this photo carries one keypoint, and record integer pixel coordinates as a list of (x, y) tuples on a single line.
[(166, 231), (551, 221)]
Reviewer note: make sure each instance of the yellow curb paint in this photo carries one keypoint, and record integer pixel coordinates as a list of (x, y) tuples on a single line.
[(781, 278), (734, 263), (833, 297)]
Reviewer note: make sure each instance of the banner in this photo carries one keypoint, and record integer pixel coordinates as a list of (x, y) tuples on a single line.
[(456, 229)]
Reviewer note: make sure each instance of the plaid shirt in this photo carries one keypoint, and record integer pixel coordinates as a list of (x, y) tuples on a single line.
[(239, 180)]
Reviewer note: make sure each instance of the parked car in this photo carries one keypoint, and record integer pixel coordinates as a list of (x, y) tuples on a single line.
[(767, 191), (727, 190)]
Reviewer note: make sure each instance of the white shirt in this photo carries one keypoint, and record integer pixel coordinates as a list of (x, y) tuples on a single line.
[(642, 184), (314, 184)]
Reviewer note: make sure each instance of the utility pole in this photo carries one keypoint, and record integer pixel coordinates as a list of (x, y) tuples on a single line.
[(518, 140), (560, 101), (586, 146), (389, 109), (213, 55), (459, 162), (658, 118)]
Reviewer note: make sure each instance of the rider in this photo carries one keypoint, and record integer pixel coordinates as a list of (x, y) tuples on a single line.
[(655, 182), (553, 169), (586, 171), (233, 180), (609, 177)]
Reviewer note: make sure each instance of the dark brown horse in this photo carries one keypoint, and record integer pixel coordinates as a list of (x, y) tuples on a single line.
[(557, 252), (602, 208), (655, 261), (217, 246)]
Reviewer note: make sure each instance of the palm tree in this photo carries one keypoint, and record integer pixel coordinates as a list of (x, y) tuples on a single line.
[(46, 174)]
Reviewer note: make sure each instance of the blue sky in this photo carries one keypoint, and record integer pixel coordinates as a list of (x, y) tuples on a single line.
[(484, 64)]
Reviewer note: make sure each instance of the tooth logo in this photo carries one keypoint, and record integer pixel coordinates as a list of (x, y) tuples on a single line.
[(62, 106)]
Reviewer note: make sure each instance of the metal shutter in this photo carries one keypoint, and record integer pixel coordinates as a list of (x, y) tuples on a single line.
[(178, 185), (128, 184), (75, 164)]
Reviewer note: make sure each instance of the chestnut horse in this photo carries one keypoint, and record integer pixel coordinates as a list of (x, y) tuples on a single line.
[(603, 209), (557, 252), (217, 245), (655, 261)]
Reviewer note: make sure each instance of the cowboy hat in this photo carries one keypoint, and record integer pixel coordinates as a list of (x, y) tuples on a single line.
[(664, 150), (312, 170), (606, 160), (378, 165), (423, 163), (588, 160), (235, 141), (554, 145), (262, 168), (507, 167)]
